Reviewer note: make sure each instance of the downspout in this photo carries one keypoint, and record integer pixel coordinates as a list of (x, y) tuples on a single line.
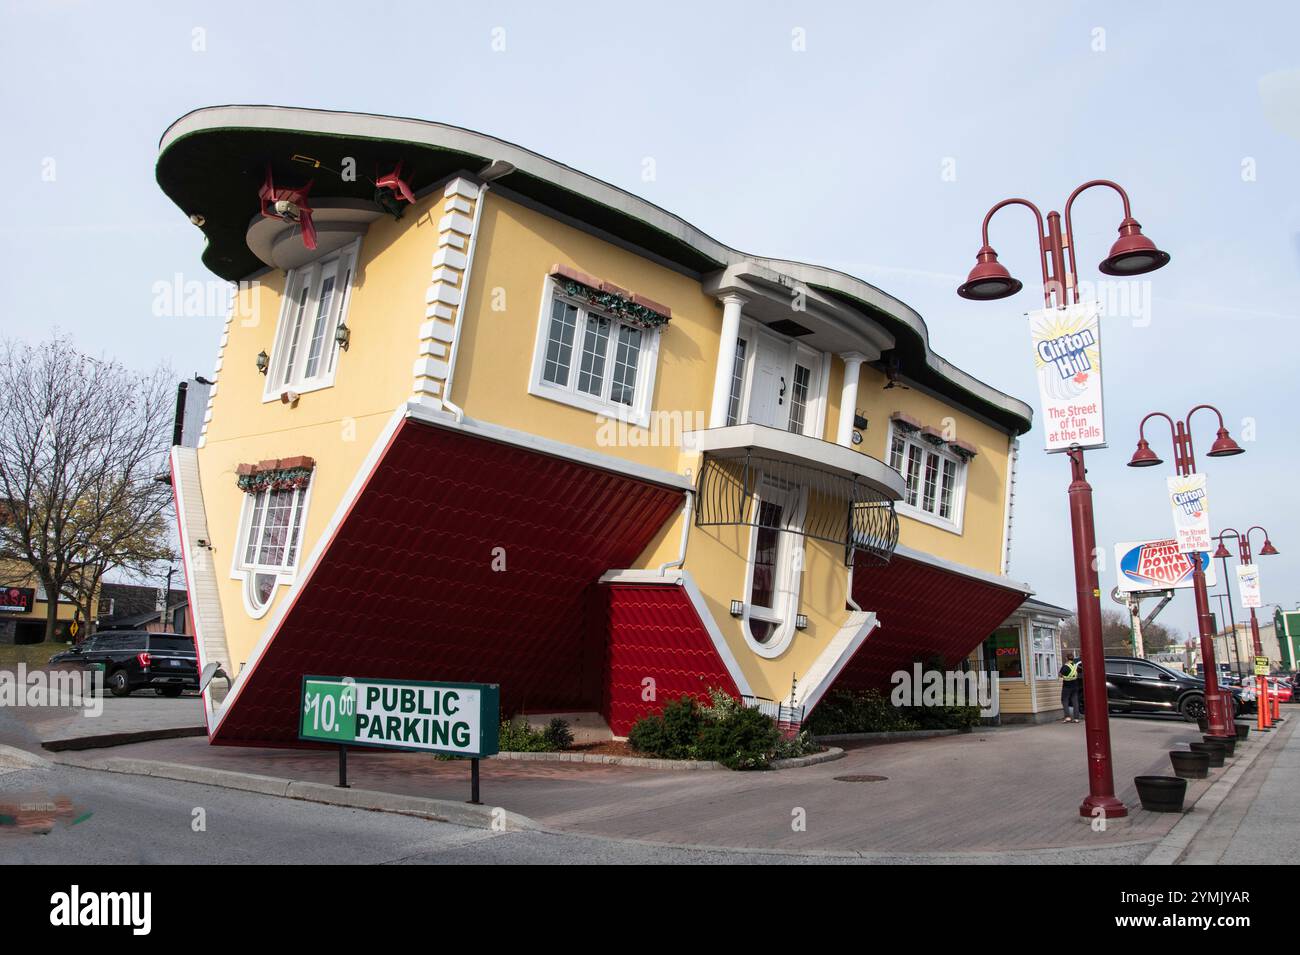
[(464, 299), (688, 509), (853, 604)]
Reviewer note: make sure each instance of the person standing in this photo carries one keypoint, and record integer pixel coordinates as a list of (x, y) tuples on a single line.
[(1071, 688)]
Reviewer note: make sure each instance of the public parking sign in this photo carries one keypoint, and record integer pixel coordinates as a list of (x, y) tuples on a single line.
[(459, 719)]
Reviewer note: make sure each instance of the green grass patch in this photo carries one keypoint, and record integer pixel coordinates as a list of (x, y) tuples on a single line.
[(33, 654)]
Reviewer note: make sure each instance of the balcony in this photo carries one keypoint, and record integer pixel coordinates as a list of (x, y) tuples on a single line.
[(842, 496)]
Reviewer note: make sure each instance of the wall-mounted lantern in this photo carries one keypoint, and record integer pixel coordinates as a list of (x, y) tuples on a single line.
[(263, 362)]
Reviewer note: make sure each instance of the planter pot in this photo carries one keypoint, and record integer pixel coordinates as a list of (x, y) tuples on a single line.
[(1190, 765), (1229, 744), (1161, 793), (1243, 731), (1212, 750)]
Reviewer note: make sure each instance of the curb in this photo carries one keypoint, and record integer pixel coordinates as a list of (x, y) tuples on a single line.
[(672, 765), (888, 736), (105, 740), (1173, 846), (438, 810), (13, 758)]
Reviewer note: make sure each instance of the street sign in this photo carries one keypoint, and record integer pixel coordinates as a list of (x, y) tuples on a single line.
[(16, 599), (1067, 361), (73, 628), (1248, 585), (459, 719), (1157, 565), (1190, 502), (1261, 666)]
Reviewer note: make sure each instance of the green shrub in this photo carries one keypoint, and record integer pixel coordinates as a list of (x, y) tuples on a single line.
[(801, 744), (743, 739), (518, 737), (858, 711), (724, 729), (870, 711), (674, 734), (558, 734)]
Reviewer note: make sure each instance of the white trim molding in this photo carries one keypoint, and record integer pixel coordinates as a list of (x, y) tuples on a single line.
[(821, 676), (444, 299)]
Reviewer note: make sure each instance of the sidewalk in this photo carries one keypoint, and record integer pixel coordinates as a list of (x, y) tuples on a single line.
[(1008, 789)]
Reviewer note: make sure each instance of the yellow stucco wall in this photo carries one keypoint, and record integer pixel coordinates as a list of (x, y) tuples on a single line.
[(336, 426), (516, 248)]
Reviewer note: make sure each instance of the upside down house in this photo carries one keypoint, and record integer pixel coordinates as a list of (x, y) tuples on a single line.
[(481, 417)]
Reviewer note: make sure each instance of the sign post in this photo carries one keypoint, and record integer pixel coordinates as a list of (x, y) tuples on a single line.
[(456, 719)]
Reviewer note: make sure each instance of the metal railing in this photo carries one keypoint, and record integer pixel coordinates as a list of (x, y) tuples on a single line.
[(830, 507), (788, 718)]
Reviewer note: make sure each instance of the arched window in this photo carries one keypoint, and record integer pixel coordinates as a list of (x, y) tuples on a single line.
[(773, 570)]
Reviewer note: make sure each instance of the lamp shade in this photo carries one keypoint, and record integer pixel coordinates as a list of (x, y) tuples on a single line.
[(1133, 253), (1224, 446), (1222, 553), (989, 279), (1144, 457), (1268, 550)]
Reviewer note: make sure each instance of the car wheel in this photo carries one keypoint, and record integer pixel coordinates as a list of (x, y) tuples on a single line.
[(118, 685), (1193, 708), (172, 691)]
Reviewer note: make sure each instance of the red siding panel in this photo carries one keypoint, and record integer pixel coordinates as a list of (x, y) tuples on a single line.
[(407, 589), (655, 632), (924, 611)]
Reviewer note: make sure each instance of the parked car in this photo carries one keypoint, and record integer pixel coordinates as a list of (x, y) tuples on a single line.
[(1281, 687), (136, 660), (1134, 685)]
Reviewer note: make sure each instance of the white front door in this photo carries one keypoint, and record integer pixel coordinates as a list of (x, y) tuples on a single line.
[(769, 391)]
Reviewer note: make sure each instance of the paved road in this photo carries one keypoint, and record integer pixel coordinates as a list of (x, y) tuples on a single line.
[(148, 820), (1009, 790)]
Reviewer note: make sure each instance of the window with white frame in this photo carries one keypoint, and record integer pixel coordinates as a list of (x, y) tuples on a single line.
[(594, 361), (772, 572), (1047, 661), (305, 354), (799, 391), (936, 479), (269, 542), (737, 396)]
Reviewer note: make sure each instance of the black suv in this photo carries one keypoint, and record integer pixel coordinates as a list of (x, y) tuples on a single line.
[(135, 660), (1134, 685)]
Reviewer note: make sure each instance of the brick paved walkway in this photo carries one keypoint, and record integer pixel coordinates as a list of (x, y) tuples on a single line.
[(1014, 788)]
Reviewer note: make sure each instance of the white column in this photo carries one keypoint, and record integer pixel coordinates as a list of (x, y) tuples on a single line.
[(849, 397), (732, 303)]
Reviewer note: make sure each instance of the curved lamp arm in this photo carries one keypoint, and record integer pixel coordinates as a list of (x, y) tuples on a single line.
[(1069, 226), (1042, 247)]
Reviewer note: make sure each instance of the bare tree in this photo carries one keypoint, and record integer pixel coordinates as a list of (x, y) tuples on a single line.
[(82, 442), (1117, 634)]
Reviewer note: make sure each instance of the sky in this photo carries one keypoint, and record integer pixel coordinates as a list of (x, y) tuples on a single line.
[(870, 137)]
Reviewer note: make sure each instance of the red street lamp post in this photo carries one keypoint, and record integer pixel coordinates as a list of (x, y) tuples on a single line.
[(1185, 464), (1266, 703), (1132, 254)]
